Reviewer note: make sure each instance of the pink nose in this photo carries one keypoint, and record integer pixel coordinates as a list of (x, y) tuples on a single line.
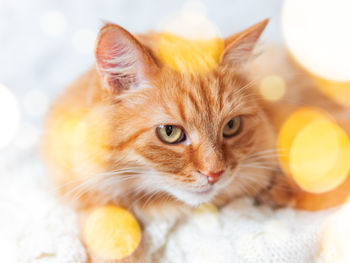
[(213, 177)]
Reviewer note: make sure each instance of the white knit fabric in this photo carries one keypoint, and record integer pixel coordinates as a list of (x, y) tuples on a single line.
[(36, 228)]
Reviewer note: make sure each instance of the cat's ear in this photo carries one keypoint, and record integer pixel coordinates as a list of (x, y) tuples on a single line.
[(122, 60), (239, 47)]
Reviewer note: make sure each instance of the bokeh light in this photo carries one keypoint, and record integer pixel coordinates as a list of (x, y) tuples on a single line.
[(191, 23), (60, 132), (112, 232), (319, 156), (90, 146), (191, 56), (206, 216), (316, 150), (35, 103), (9, 116), (28, 136), (78, 140), (320, 201), (337, 91), (272, 87), (53, 23), (190, 42), (290, 130), (84, 41), (206, 208), (316, 33)]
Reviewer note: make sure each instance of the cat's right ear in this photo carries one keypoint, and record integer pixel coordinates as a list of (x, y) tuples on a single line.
[(239, 47), (123, 62)]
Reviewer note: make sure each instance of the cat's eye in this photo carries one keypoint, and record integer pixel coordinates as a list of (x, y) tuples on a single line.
[(233, 127), (170, 134)]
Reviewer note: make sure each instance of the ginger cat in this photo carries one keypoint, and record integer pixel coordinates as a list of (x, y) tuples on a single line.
[(135, 132)]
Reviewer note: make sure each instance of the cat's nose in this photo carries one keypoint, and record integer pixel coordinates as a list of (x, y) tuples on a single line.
[(213, 177)]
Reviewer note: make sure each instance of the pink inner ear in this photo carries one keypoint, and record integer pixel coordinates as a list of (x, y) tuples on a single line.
[(108, 54), (120, 58), (120, 67)]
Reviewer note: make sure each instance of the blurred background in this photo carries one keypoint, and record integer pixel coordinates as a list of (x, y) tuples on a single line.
[(46, 44)]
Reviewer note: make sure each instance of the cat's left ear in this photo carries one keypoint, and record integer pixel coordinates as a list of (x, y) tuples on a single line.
[(239, 47)]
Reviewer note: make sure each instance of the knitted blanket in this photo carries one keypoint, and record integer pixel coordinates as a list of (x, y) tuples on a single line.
[(36, 228)]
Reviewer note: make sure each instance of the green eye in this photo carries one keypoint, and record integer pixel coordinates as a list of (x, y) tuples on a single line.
[(170, 134), (232, 128)]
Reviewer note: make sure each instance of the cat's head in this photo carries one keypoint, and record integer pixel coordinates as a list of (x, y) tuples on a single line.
[(178, 134)]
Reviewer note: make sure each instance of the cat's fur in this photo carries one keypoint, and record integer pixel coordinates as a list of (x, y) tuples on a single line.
[(130, 92)]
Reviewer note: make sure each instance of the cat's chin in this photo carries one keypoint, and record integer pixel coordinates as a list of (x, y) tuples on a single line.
[(194, 198)]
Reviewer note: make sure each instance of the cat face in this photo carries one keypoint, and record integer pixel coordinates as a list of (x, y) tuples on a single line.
[(177, 134)]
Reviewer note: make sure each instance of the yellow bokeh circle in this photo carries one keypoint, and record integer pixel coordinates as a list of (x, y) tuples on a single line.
[(90, 144), (61, 131), (189, 55), (290, 129), (315, 150), (79, 140), (272, 88), (206, 208), (190, 42), (319, 156), (112, 232)]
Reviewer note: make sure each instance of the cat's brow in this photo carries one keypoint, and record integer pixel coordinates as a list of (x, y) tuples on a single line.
[(130, 139), (180, 106)]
